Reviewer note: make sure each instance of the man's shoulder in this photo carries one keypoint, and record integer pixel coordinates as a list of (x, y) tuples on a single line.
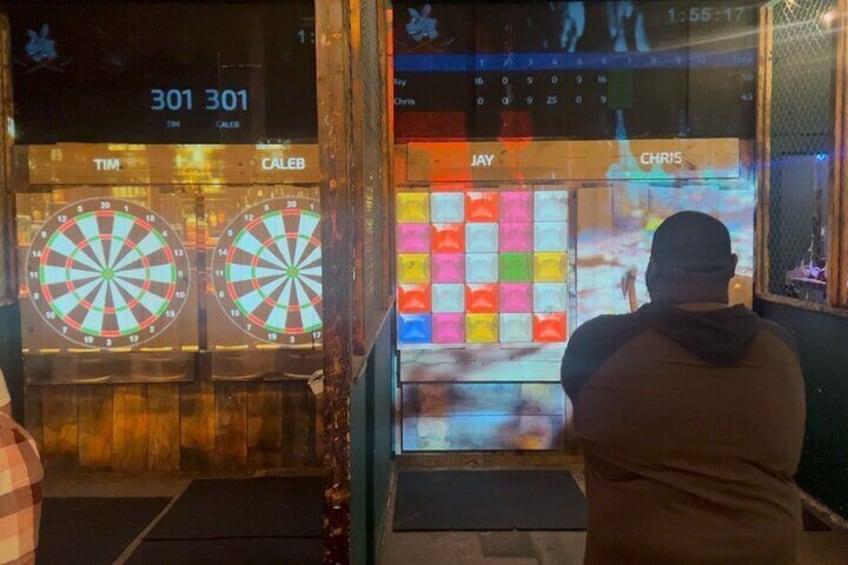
[(602, 336), (609, 327), (777, 331), (592, 344)]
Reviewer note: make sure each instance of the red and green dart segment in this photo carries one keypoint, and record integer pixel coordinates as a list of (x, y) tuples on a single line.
[(107, 273)]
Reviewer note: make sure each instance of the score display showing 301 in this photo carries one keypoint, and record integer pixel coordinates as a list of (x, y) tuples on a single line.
[(209, 99)]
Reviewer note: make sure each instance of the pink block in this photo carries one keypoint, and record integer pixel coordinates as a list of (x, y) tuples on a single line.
[(447, 267), (516, 298), (516, 236), (413, 238), (448, 328), (516, 206)]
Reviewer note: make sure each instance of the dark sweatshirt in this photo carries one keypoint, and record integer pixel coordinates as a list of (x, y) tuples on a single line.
[(691, 424)]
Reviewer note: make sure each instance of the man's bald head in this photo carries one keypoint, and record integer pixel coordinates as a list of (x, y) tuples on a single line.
[(691, 260)]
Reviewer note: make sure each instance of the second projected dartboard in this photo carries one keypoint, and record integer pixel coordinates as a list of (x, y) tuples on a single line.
[(107, 273), (266, 271)]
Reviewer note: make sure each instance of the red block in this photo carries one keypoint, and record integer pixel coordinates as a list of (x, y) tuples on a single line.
[(448, 238), (481, 207), (414, 299), (550, 328), (481, 298)]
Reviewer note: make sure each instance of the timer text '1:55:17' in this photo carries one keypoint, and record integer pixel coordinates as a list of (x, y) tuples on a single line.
[(707, 14), (176, 100)]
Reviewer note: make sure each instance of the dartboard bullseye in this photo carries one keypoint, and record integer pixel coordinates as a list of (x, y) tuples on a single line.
[(107, 273), (266, 271)]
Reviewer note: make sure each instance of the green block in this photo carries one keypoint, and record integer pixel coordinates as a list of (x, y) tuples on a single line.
[(516, 267), (620, 90)]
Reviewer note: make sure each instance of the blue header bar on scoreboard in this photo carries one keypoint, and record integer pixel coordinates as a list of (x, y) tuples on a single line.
[(573, 61)]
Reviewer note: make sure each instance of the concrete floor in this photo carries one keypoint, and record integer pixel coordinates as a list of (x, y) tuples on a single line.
[(550, 548), (429, 548)]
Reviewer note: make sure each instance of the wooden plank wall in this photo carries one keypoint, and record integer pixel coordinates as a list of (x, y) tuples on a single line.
[(199, 426)]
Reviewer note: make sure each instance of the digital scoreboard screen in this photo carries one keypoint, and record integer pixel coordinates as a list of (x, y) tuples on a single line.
[(163, 73), (574, 70)]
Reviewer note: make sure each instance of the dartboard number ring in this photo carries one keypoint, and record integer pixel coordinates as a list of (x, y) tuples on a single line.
[(107, 273), (266, 271)]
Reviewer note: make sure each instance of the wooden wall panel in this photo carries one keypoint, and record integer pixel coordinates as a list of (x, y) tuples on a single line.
[(197, 426), (230, 425), (204, 426), (130, 430), (60, 425), (265, 426), (95, 427), (316, 403), (163, 406), (34, 415), (297, 425)]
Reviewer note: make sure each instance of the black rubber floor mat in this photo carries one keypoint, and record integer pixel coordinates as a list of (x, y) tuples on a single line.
[(239, 551), (93, 531), (243, 508), (488, 500)]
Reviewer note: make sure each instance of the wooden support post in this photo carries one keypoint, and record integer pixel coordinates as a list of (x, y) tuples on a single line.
[(837, 264), (10, 346), (8, 278), (335, 140), (763, 149), (387, 73)]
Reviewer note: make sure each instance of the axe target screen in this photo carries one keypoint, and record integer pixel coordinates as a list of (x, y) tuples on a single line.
[(578, 70), (163, 73)]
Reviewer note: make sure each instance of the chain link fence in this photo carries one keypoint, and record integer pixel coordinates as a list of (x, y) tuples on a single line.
[(374, 247), (801, 134)]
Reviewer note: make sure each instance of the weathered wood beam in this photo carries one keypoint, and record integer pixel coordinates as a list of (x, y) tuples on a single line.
[(8, 278), (336, 140), (763, 150), (838, 220)]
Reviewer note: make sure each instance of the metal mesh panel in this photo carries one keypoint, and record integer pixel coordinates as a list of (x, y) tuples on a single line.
[(373, 170), (802, 146)]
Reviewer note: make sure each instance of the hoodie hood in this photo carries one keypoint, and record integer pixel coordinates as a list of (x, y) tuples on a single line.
[(719, 337)]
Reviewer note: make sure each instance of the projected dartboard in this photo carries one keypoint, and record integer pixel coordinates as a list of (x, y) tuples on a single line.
[(107, 273), (267, 271)]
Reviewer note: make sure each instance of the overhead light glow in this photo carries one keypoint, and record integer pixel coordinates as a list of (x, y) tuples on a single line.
[(828, 17)]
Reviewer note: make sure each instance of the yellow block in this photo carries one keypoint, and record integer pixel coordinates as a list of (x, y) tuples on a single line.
[(413, 268), (550, 266), (413, 207), (481, 328)]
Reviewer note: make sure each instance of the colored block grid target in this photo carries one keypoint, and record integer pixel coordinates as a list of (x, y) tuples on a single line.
[(107, 273), (482, 267), (266, 271)]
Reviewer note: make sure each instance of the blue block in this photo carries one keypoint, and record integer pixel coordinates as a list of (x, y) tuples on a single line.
[(414, 328)]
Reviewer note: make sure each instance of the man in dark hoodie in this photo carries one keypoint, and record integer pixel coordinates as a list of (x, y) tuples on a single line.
[(691, 416)]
